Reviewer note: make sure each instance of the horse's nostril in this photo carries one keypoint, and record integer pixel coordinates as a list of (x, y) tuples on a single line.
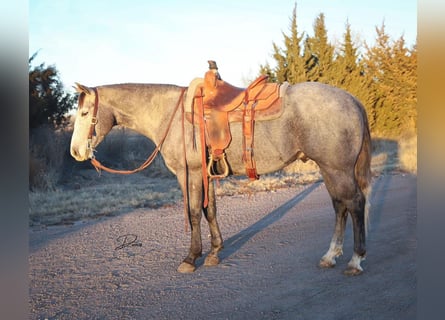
[(74, 153)]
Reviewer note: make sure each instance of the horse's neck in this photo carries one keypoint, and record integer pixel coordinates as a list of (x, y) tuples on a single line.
[(143, 108)]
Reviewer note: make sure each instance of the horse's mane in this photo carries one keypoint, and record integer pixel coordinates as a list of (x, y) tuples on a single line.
[(135, 85)]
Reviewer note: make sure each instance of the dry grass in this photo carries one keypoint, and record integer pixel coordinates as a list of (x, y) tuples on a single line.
[(47, 152), (68, 206), (400, 155), (76, 192), (294, 174), (408, 154)]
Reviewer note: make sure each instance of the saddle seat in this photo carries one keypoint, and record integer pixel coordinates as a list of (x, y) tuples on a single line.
[(220, 96)]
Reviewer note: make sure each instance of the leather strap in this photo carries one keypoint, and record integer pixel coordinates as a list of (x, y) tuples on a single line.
[(248, 136), (94, 118), (205, 180), (99, 166)]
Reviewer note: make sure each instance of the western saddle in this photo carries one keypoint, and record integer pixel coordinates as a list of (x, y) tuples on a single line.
[(216, 103)]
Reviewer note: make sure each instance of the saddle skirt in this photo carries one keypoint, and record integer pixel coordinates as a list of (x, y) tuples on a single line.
[(213, 103)]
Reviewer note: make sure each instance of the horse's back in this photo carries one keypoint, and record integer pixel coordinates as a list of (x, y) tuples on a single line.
[(329, 121), (312, 98)]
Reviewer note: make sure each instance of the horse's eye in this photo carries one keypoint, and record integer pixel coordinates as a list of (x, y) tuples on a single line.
[(84, 113)]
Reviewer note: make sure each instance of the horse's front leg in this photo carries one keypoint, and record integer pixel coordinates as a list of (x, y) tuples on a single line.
[(215, 234), (195, 201)]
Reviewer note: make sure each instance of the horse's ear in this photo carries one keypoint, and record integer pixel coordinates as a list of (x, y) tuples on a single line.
[(81, 88)]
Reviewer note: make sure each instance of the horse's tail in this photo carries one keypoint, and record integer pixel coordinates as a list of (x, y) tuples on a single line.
[(363, 166)]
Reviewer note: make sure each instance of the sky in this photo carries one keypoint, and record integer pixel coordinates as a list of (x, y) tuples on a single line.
[(98, 42)]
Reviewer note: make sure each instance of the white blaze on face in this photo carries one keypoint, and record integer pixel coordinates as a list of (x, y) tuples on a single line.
[(79, 141)]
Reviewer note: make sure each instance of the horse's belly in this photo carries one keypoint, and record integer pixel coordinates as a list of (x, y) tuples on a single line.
[(270, 152)]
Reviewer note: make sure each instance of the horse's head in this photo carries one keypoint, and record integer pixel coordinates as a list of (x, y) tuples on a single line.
[(92, 123)]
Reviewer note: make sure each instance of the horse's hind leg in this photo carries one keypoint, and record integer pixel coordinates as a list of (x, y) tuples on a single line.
[(215, 234), (347, 197), (356, 207), (336, 246)]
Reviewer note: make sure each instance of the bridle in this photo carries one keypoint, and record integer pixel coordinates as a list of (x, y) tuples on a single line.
[(93, 123), (99, 166)]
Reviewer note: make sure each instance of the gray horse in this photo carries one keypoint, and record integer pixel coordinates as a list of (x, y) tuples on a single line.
[(319, 122)]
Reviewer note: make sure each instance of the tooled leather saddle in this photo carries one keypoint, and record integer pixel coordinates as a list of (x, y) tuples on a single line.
[(216, 103)]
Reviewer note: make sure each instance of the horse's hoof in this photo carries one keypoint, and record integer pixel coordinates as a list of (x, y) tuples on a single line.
[(354, 268), (211, 260), (325, 263), (186, 268), (351, 271)]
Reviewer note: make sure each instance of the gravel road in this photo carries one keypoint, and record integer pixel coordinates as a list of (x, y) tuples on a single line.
[(268, 270)]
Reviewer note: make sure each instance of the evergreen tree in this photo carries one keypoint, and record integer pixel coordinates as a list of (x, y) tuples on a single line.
[(290, 64), (348, 73), (346, 62), (384, 79), (319, 53), (48, 103), (393, 69), (267, 70), (401, 82)]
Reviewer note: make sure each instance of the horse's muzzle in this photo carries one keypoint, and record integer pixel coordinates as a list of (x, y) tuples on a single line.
[(81, 154)]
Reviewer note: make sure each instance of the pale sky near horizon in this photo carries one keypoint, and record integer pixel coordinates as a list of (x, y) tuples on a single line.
[(102, 42)]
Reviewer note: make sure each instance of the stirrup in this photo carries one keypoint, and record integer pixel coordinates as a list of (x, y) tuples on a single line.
[(213, 175)]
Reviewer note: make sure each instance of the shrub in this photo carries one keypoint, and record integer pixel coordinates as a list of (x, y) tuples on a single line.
[(47, 151)]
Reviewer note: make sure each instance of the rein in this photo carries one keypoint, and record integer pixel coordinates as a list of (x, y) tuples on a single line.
[(99, 166)]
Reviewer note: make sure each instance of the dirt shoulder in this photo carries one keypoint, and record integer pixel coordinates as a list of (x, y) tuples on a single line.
[(268, 270)]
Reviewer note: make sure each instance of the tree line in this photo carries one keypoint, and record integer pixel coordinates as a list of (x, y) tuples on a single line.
[(383, 77)]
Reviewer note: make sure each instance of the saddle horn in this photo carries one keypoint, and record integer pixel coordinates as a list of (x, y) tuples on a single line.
[(213, 67)]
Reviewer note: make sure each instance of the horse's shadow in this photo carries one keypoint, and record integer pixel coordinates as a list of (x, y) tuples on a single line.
[(234, 243)]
